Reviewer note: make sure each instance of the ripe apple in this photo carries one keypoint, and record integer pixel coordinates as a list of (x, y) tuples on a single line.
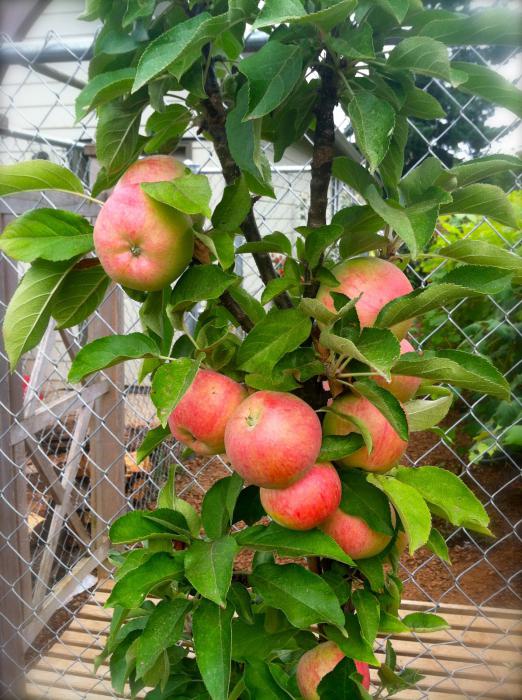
[(141, 243), (307, 502), (354, 535), (388, 447), (379, 281), (401, 386), (152, 169), (319, 661), (272, 439), (199, 419)]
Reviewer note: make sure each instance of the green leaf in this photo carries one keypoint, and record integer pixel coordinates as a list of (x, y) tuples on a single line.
[(490, 85), (353, 41), (336, 447), (166, 128), (497, 27), (303, 596), (81, 293), (317, 240), (233, 207), (426, 56), (482, 168), (339, 682), (132, 559), (376, 349), (352, 174), (29, 309), (36, 175), (248, 506), (261, 684), (484, 200), (167, 498), (418, 183), (291, 543), (168, 48), (372, 121), (373, 571), (136, 9), (354, 646), (425, 622), (368, 613), (251, 641), (456, 367), (275, 287), (272, 73), (424, 414), (197, 283), (212, 630), (358, 242), (110, 350), (169, 384), (421, 105), (465, 281), (103, 88), (278, 333), (386, 403), (414, 224), (189, 193), (396, 8), (117, 140), (316, 309), (218, 505), (389, 624), (410, 505), (140, 525), (208, 567), (358, 219), (271, 243), (282, 11), (363, 500), (151, 441), (131, 590), (163, 629), (449, 494), (438, 545), (49, 234)]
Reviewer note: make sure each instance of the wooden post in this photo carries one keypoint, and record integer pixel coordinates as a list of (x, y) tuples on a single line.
[(107, 453), (15, 582)]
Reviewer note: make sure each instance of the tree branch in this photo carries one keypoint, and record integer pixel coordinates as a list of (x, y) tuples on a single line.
[(215, 120)]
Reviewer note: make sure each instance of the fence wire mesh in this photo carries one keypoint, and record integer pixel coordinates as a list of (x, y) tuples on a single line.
[(57, 466)]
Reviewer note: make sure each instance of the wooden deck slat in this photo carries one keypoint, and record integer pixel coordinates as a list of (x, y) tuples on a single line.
[(478, 657)]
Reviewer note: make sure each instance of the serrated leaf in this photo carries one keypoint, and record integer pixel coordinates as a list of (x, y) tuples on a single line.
[(449, 494), (424, 414), (317, 240), (117, 140), (426, 56), (438, 545), (233, 207), (498, 27), (281, 11), (291, 543), (490, 85), (353, 645), (278, 333), (198, 283), (208, 567), (169, 384), (484, 167), (368, 613), (111, 350), (339, 682), (377, 350), (352, 174), (103, 88), (372, 120), (425, 622), (212, 630), (49, 234), (483, 200), (141, 525), (386, 403), (81, 293), (396, 8), (272, 243), (131, 590), (261, 684), (302, 595), (36, 175), (151, 441), (421, 105), (363, 500), (272, 73), (334, 447), (166, 128), (218, 505), (410, 505), (189, 193), (29, 309), (458, 368)]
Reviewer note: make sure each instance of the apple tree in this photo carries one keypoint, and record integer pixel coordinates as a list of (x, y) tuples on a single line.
[(311, 391)]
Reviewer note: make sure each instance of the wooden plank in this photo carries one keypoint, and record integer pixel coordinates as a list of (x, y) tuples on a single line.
[(107, 452), (15, 583)]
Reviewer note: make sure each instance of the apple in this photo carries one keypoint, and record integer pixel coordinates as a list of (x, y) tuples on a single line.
[(354, 535), (317, 663), (141, 243), (307, 502), (199, 419), (272, 439), (402, 387), (388, 447), (378, 281), (152, 169)]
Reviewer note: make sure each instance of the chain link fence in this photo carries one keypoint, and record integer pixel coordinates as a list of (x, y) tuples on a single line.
[(69, 454)]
